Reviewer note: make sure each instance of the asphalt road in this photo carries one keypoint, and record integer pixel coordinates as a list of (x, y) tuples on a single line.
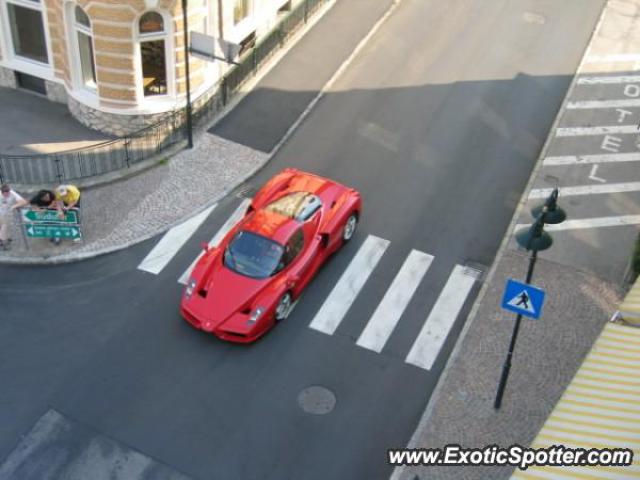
[(438, 122)]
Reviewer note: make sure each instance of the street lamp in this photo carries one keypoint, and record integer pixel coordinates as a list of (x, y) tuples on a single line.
[(534, 239), (185, 27)]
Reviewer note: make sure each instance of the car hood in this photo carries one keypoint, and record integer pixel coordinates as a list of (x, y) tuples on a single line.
[(227, 292)]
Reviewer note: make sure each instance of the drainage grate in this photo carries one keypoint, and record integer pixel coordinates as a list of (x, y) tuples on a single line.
[(475, 269), (245, 190)]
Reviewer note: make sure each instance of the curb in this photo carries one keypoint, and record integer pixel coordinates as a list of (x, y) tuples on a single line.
[(413, 442)]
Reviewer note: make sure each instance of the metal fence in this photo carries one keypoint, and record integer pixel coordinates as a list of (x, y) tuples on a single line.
[(151, 141), (96, 159)]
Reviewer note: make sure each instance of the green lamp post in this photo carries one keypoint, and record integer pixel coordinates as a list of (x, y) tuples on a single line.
[(533, 239)]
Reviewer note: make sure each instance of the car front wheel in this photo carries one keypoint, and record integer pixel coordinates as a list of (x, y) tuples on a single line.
[(284, 305), (350, 227)]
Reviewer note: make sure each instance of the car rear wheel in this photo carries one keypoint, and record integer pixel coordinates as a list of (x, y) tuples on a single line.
[(284, 305), (350, 227)]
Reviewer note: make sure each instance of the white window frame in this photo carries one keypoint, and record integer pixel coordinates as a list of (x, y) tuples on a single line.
[(250, 12), (74, 48), (239, 31), (210, 71), (169, 48), (23, 64)]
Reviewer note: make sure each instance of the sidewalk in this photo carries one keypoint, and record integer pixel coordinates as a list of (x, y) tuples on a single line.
[(33, 125), (549, 351), (129, 211)]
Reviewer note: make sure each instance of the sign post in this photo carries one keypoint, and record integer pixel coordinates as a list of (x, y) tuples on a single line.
[(49, 224), (523, 298)]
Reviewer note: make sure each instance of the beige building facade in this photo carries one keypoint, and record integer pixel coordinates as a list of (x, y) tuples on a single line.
[(120, 65)]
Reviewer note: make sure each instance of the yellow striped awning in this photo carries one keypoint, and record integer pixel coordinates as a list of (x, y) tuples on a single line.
[(630, 308), (599, 409)]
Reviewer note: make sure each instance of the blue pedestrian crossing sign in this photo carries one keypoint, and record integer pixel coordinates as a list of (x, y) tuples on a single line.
[(523, 298)]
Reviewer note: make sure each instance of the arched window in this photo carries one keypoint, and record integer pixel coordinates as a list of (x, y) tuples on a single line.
[(153, 55), (151, 22), (84, 36)]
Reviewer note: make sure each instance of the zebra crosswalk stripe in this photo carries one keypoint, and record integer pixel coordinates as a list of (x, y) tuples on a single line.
[(351, 282), (235, 217), (434, 332), (395, 300), (171, 242)]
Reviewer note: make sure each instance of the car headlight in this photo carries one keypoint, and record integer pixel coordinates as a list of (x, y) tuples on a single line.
[(190, 288), (256, 314)]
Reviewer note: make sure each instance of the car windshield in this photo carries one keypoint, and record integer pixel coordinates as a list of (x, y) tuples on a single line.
[(253, 255)]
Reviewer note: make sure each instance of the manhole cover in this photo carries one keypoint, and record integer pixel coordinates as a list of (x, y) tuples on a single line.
[(317, 400)]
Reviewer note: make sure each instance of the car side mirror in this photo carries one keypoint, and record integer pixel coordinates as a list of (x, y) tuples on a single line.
[(205, 246), (324, 239)]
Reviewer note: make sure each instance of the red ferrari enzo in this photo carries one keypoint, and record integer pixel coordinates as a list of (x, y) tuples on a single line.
[(244, 286)]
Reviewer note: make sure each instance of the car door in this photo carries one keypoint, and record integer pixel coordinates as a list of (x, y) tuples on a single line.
[(300, 252)]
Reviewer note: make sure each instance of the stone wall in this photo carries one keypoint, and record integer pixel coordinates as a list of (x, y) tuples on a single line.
[(7, 78), (56, 92), (115, 124)]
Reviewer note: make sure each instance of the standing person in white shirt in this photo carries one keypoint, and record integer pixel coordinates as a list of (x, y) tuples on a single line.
[(9, 201)]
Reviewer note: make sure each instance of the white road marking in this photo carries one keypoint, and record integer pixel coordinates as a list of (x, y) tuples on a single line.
[(613, 58), (434, 332), (351, 282), (584, 223), (235, 217), (584, 159), (171, 242), (583, 131), (587, 189), (607, 80), (395, 300), (603, 104), (592, 175)]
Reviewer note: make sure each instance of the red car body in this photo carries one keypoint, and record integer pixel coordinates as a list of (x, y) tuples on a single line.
[(297, 220)]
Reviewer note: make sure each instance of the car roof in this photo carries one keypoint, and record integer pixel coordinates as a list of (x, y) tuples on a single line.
[(280, 223), (271, 225)]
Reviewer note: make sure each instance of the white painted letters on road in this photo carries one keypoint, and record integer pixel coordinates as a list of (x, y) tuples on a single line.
[(623, 113), (611, 143), (632, 90), (592, 175)]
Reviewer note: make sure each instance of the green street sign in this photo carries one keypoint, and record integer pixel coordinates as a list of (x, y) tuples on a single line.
[(49, 216), (53, 231)]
